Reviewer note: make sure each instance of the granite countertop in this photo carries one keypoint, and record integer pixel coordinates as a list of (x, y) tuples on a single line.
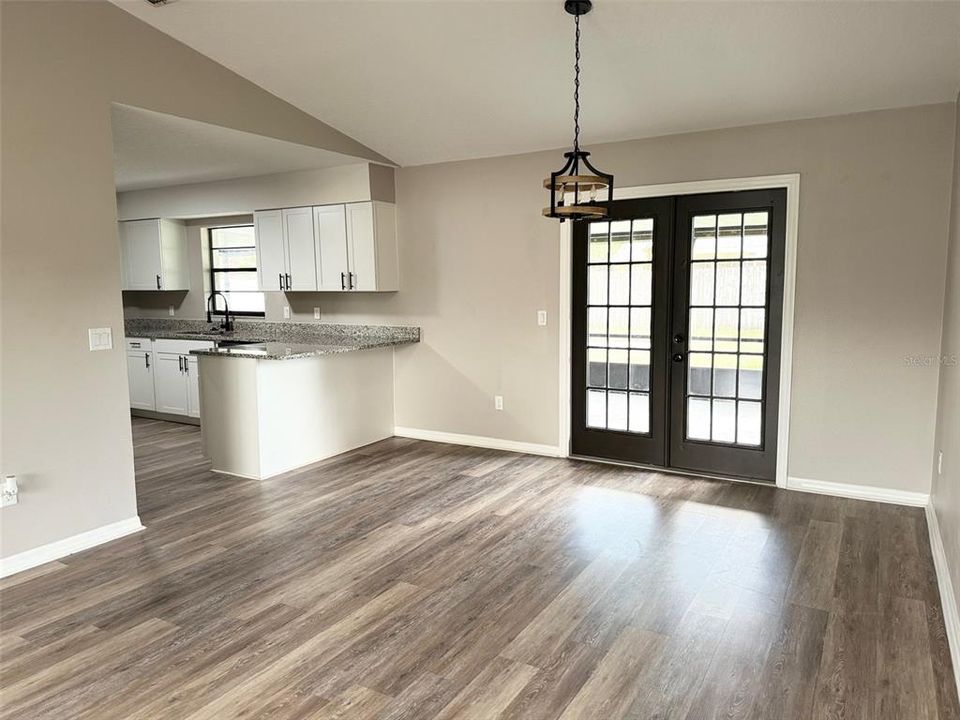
[(276, 341), (274, 350)]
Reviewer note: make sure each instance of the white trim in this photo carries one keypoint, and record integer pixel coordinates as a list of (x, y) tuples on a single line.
[(478, 441), (951, 612), (68, 546), (858, 492), (792, 184)]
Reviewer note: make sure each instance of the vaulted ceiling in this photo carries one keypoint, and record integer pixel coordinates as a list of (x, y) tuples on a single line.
[(424, 82)]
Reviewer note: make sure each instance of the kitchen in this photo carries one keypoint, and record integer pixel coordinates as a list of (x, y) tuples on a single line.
[(203, 261)]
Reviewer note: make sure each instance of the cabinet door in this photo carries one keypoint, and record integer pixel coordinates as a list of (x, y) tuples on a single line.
[(193, 387), (174, 255), (140, 377), (361, 246), (142, 262), (271, 261), (332, 265), (170, 384), (301, 248)]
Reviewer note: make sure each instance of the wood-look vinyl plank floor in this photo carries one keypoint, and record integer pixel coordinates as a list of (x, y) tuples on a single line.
[(420, 581)]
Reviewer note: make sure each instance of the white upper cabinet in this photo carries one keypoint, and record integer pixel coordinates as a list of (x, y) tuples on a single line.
[(332, 248), (286, 249), (332, 265), (372, 246), (298, 235), (271, 255), (154, 254)]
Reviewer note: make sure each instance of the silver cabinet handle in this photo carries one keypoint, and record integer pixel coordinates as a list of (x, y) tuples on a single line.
[(180, 360), (158, 282), (280, 275), (343, 281), (186, 366), (146, 360), (288, 281), (350, 279)]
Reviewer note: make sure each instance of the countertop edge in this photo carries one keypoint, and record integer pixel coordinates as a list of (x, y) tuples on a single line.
[(237, 351)]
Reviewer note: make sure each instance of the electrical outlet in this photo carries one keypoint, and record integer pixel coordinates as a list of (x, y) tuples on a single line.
[(9, 493), (940, 462), (541, 318), (316, 313), (170, 311), (498, 402), (286, 312)]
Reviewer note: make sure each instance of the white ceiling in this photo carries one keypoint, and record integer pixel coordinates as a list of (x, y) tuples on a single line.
[(424, 82), (151, 149)]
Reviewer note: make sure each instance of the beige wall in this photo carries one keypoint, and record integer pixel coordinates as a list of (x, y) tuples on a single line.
[(65, 424), (946, 486), (324, 186), (478, 261)]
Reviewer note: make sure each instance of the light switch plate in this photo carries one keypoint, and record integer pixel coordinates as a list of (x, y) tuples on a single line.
[(286, 312), (170, 311), (541, 318), (100, 338), (316, 313), (498, 402)]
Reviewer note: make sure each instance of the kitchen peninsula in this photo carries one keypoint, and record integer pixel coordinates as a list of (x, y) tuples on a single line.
[(278, 396)]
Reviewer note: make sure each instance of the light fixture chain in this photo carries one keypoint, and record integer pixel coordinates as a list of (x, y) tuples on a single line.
[(576, 87)]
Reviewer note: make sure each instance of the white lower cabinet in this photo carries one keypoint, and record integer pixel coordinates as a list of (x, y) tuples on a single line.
[(140, 373), (163, 376), (170, 384)]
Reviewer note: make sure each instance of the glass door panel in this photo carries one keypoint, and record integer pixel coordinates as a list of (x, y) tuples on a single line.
[(676, 332), (726, 317), (621, 301)]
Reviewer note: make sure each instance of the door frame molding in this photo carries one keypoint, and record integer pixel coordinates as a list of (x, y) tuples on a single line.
[(791, 182)]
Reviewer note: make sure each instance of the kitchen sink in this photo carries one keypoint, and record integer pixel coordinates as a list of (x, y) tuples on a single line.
[(234, 343)]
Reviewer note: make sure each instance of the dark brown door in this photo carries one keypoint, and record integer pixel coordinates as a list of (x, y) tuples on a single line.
[(707, 399), (620, 361)]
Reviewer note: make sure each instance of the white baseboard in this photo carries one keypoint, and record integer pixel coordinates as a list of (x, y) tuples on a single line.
[(478, 441), (859, 492), (68, 546), (951, 612)]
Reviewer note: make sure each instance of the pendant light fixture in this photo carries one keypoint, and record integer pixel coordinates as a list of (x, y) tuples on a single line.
[(573, 195)]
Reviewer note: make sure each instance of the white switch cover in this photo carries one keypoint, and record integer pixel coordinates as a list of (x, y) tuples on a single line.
[(498, 402), (541, 318), (286, 312), (101, 338), (940, 462), (316, 313), (170, 311)]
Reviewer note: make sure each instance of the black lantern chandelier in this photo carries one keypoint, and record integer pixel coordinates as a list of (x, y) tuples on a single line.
[(573, 195)]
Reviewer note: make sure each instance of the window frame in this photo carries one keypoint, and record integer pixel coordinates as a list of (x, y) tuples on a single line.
[(215, 270)]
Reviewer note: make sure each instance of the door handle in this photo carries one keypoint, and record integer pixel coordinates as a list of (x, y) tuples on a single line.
[(343, 281), (678, 357), (146, 359), (158, 282)]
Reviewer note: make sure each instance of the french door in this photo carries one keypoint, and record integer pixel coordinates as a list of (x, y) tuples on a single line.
[(676, 326)]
